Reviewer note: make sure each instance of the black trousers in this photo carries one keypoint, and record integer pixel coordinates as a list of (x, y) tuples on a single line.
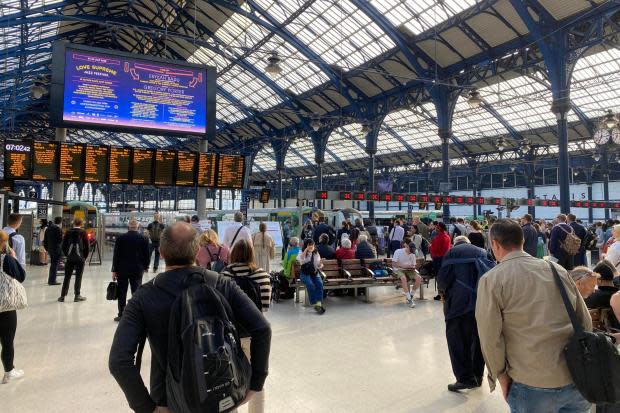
[(464, 347), (566, 261), (124, 281), (285, 242), (154, 248), (8, 326), (54, 260), (79, 270)]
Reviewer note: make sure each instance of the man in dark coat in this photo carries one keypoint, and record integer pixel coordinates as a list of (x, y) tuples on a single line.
[(558, 235), (457, 281), (53, 245), (75, 246), (530, 235), (130, 260), (323, 228), (580, 231), (365, 250)]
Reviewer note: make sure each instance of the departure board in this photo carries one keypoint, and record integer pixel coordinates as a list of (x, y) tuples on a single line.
[(45, 161), (96, 168), (120, 161), (207, 166), (186, 168), (71, 162), (7, 185), (164, 167), (17, 160), (142, 167), (231, 172)]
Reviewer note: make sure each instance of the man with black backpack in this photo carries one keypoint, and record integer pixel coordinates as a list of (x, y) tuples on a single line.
[(524, 327), (53, 245), (75, 246), (179, 305), (155, 229)]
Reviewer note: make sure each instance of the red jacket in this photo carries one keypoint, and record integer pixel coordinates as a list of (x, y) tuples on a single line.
[(440, 244), (345, 254)]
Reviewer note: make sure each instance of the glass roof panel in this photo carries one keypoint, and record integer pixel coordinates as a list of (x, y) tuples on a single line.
[(227, 111), (264, 160), (595, 86), (414, 127), (347, 142), (421, 15), (300, 151), (476, 123), (336, 30)]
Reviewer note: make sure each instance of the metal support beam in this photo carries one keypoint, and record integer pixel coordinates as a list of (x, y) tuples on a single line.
[(201, 192), (58, 188)]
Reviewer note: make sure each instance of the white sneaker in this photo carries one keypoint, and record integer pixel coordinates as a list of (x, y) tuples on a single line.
[(12, 375), (412, 303), (409, 298)]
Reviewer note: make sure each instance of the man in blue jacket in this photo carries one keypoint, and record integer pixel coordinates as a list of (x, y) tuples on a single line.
[(129, 262), (461, 268), (530, 235)]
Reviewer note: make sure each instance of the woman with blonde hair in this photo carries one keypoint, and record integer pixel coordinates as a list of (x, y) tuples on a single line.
[(243, 264), (264, 248), (212, 254), (8, 319)]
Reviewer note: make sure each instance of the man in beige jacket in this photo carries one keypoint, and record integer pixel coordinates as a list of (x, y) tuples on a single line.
[(523, 327)]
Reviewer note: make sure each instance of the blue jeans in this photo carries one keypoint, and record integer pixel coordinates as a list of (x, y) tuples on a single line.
[(314, 287), (527, 399)]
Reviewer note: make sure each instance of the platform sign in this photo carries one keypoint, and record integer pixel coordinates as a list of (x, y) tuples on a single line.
[(17, 160), (412, 198), (186, 168), (142, 166), (480, 200), (230, 171), (165, 161), (264, 195), (321, 195), (44, 161), (345, 196), (470, 200), (423, 199), (42, 208), (120, 163), (359, 196), (399, 197), (96, 163), (385, 197), (207, 168), (372, 196)]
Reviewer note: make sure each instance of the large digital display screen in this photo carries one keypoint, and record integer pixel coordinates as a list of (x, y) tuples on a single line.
[(107, 89), (17, 160), (142, 171), (120, 161), (71, 162), (186, 168), (96, 168), (230, 171), (207, 167), (44, 161), (164, 167)]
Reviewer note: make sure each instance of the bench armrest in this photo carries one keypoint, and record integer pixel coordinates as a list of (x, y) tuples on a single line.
[(346, 274), (322, 275), (368, 272)]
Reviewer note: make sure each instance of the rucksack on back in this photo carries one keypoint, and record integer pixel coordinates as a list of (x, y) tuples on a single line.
[(216, 264), (590, 240), (250, 288), (571, 243), (207, 370)]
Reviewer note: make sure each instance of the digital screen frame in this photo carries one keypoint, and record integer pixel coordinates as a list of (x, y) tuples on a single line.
[(57, 91), (18, 147), (38, 169)]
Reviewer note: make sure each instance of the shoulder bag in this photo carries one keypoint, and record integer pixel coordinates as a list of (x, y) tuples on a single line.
[(12, 292), (592, 358)]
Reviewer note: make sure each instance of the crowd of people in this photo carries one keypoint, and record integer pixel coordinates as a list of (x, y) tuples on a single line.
[(502, 305)]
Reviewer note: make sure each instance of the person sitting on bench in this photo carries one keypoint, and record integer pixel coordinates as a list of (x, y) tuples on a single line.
[(404, 264), (310, 264)]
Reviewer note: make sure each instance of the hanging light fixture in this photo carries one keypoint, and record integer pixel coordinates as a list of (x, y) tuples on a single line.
[(474, 99), (500, 144), (596, 157), (610, 120), (315, 125), (38, 91), (365, 128), (273, 67)]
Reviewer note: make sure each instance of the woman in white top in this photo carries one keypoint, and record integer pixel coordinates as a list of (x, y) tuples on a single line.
[(310, 262), (264, 247), (613, 252)]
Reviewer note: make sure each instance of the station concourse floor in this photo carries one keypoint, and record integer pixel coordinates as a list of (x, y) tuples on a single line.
[(358, 357)]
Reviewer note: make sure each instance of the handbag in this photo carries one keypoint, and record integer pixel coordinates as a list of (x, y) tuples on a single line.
[(12, 292), (112, 291), (592, 359)]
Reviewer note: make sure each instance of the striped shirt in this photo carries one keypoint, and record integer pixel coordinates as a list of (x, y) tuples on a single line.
[(259, 276)]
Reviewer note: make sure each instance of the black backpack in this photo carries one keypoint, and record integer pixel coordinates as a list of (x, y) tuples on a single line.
[(207, 370), (250, 288), (592, 359), (589, 241), (74, 253), (216, 264)]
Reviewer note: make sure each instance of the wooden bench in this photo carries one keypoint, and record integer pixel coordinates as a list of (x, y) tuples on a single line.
[(353, 273)]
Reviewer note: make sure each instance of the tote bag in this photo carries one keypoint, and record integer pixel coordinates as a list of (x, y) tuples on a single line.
[(12, 292)]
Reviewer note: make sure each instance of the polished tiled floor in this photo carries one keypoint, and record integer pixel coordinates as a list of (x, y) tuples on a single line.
[(358, 357)]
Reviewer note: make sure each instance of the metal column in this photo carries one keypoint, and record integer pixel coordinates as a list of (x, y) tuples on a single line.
[(201, 192), (561, 112), (280, 197), (319, 182), (445, 135), (371, 185), (58, 188)]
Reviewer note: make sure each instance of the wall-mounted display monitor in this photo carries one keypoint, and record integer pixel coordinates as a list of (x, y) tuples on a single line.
[(264, 195), (164, 167), (230, 171), (186, 168), (142, 167), (207, 167), (120, 162), (44, 161), (17, 160), (71, 162), (105, 89), (96, 163)]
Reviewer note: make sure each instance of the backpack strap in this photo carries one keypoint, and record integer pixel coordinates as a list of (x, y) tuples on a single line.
[(235, 237), (569, 308)]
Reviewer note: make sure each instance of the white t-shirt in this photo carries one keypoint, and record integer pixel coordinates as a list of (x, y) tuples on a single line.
[(402, 259), (613, 254), (229, 235)]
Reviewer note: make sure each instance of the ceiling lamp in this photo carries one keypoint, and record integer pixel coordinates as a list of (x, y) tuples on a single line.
[(315, 125), (526, 146), (273, 65), (596, 157), (610, 120), (474, 99), (500, 144), (38, 91), (365, 128)]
